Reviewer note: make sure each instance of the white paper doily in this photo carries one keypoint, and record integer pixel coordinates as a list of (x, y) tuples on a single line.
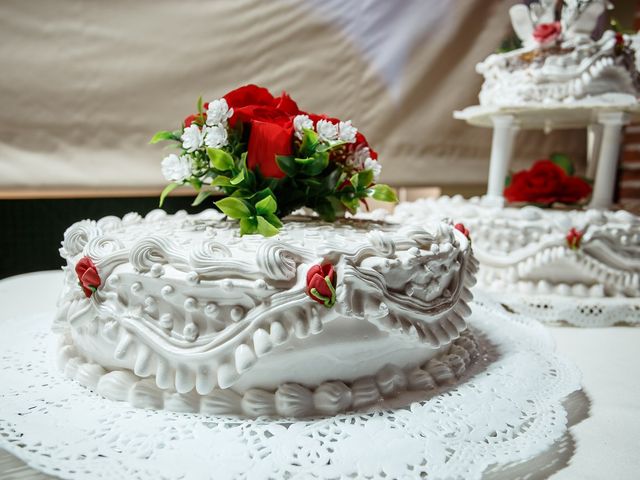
[(575, 311), (509, 411)]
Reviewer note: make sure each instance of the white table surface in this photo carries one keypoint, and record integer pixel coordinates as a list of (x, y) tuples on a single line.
[(606, 443)]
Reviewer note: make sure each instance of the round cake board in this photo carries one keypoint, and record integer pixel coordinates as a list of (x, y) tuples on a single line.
[(510, 410)]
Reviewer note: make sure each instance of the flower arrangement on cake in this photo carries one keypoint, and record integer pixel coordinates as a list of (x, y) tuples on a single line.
[(549, 181), (269, 158)]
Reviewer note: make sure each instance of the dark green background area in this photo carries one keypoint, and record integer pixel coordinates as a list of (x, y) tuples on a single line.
[(32, 230)]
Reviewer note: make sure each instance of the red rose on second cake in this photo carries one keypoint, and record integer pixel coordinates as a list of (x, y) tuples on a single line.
[(321, 284), (464, 230), (546, 33), (87, 275), (574, 239), (546, 183)]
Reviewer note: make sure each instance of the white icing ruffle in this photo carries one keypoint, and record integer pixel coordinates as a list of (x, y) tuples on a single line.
[(288, 400)]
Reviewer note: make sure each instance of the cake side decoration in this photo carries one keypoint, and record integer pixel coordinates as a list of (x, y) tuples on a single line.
[(547, 182), (270, 158), (88, 277), (574, 238), (321, 284), (192, 316)]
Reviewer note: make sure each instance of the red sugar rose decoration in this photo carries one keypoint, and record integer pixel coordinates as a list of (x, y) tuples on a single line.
[(88, 276), (546, 183), (321, 284), (546, 33), (460, 227), (574, 238)]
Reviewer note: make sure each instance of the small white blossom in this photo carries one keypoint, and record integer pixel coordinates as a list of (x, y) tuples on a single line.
[(218, 112), (327, 131), (175, 168), (359, 158), (373, 165), (215, 136), (300, 122), (192, 138), (347, 132)]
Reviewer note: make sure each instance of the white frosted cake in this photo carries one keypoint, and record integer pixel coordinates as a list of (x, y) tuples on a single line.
[(559, 61), (581, 253), (181, 312)]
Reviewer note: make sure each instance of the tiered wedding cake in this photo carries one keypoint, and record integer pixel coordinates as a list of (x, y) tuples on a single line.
[(560, 76)]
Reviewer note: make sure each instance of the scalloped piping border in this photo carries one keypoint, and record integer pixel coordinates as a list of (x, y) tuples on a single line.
[(289, 400)]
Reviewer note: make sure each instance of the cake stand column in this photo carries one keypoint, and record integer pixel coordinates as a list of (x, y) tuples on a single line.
[(604, 181), (594, 135), (504, 130)]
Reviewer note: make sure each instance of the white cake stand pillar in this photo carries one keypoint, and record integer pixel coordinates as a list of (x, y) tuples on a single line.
[(504, 130), (604, 180), (594, 136)]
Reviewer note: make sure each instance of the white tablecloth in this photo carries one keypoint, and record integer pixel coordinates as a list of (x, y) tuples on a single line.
[(606, 443)]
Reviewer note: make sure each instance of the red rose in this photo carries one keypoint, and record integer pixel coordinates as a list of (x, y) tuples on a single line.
[(252, 102), (546, 33), (574, 238), (265, 142), (197, 118), (546, 183), (321, 284), (574, 189), (88, 276), (461, 228)]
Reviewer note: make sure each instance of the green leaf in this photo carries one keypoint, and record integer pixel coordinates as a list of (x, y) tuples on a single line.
[(196, 183), (221, 181), (273, 219), (563, 161), (325, 147), (167, 190), (383, 193), (287, 164), (314, 165), (365, 178), (201, 197), (266, 205), (200, 105), (351, 204), (326, 210), (162, 136), (265, 228), (233, 207), (248, 225), (238, 178), (220, 160), (354, 180), (309, 143)]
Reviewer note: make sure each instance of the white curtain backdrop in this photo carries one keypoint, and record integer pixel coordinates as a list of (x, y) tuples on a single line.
[(84, 85)]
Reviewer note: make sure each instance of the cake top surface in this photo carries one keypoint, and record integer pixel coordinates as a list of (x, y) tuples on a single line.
[(559, 62)]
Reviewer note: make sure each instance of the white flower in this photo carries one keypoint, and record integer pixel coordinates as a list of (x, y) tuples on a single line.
[(373, 165), (300, 122), (327, 131), (175, 168), (218, 112), (359, 158), (191, 138), (347, 132), (215, 136)]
